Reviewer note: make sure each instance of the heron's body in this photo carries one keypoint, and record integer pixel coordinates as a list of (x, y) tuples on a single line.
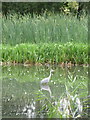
[(46, 80)]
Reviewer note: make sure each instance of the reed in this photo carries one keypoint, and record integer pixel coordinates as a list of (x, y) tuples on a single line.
[(43, 29)]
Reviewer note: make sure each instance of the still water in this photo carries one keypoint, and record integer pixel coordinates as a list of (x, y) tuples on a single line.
[(24, 97)]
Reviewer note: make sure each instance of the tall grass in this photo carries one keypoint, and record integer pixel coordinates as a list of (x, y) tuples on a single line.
[(42, 53), (43, 29)]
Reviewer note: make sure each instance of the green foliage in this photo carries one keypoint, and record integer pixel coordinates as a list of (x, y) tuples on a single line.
[(40, 7), (30, 7), (43, 29), (42, 53), (72, 7)]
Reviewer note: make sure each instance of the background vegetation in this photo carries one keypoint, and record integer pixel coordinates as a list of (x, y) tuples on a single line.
[(42, 29), (54, 24), (40, 7)]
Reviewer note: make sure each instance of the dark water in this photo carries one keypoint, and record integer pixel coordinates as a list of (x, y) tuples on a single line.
[(64, 96)]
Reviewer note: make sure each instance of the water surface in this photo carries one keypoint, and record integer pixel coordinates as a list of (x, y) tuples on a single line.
[(24, 97)]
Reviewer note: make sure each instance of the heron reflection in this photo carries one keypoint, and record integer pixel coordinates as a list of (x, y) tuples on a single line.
[(46, 88)]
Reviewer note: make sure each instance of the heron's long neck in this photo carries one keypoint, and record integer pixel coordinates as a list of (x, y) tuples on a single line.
[(50, 75)]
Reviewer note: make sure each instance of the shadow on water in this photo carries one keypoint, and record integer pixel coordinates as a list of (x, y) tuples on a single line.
[(65, 96)]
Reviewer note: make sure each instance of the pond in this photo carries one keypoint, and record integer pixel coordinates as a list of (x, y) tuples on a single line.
[(64, 96)]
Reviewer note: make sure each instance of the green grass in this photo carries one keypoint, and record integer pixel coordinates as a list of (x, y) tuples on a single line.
[(42, 53), (44, 29)]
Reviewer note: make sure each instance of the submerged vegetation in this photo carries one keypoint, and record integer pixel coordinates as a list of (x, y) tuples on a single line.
[(46, 53)]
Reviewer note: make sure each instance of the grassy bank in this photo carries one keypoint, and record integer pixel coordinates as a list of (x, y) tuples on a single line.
[(43, 53), (44, 29)]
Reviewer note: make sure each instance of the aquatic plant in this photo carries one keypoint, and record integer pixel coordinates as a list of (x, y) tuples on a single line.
[(46, 53)]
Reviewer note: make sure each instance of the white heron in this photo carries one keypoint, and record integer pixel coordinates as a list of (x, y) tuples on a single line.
[(46, 80)]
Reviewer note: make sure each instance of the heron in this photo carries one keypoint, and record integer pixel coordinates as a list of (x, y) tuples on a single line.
[(46, 80)]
